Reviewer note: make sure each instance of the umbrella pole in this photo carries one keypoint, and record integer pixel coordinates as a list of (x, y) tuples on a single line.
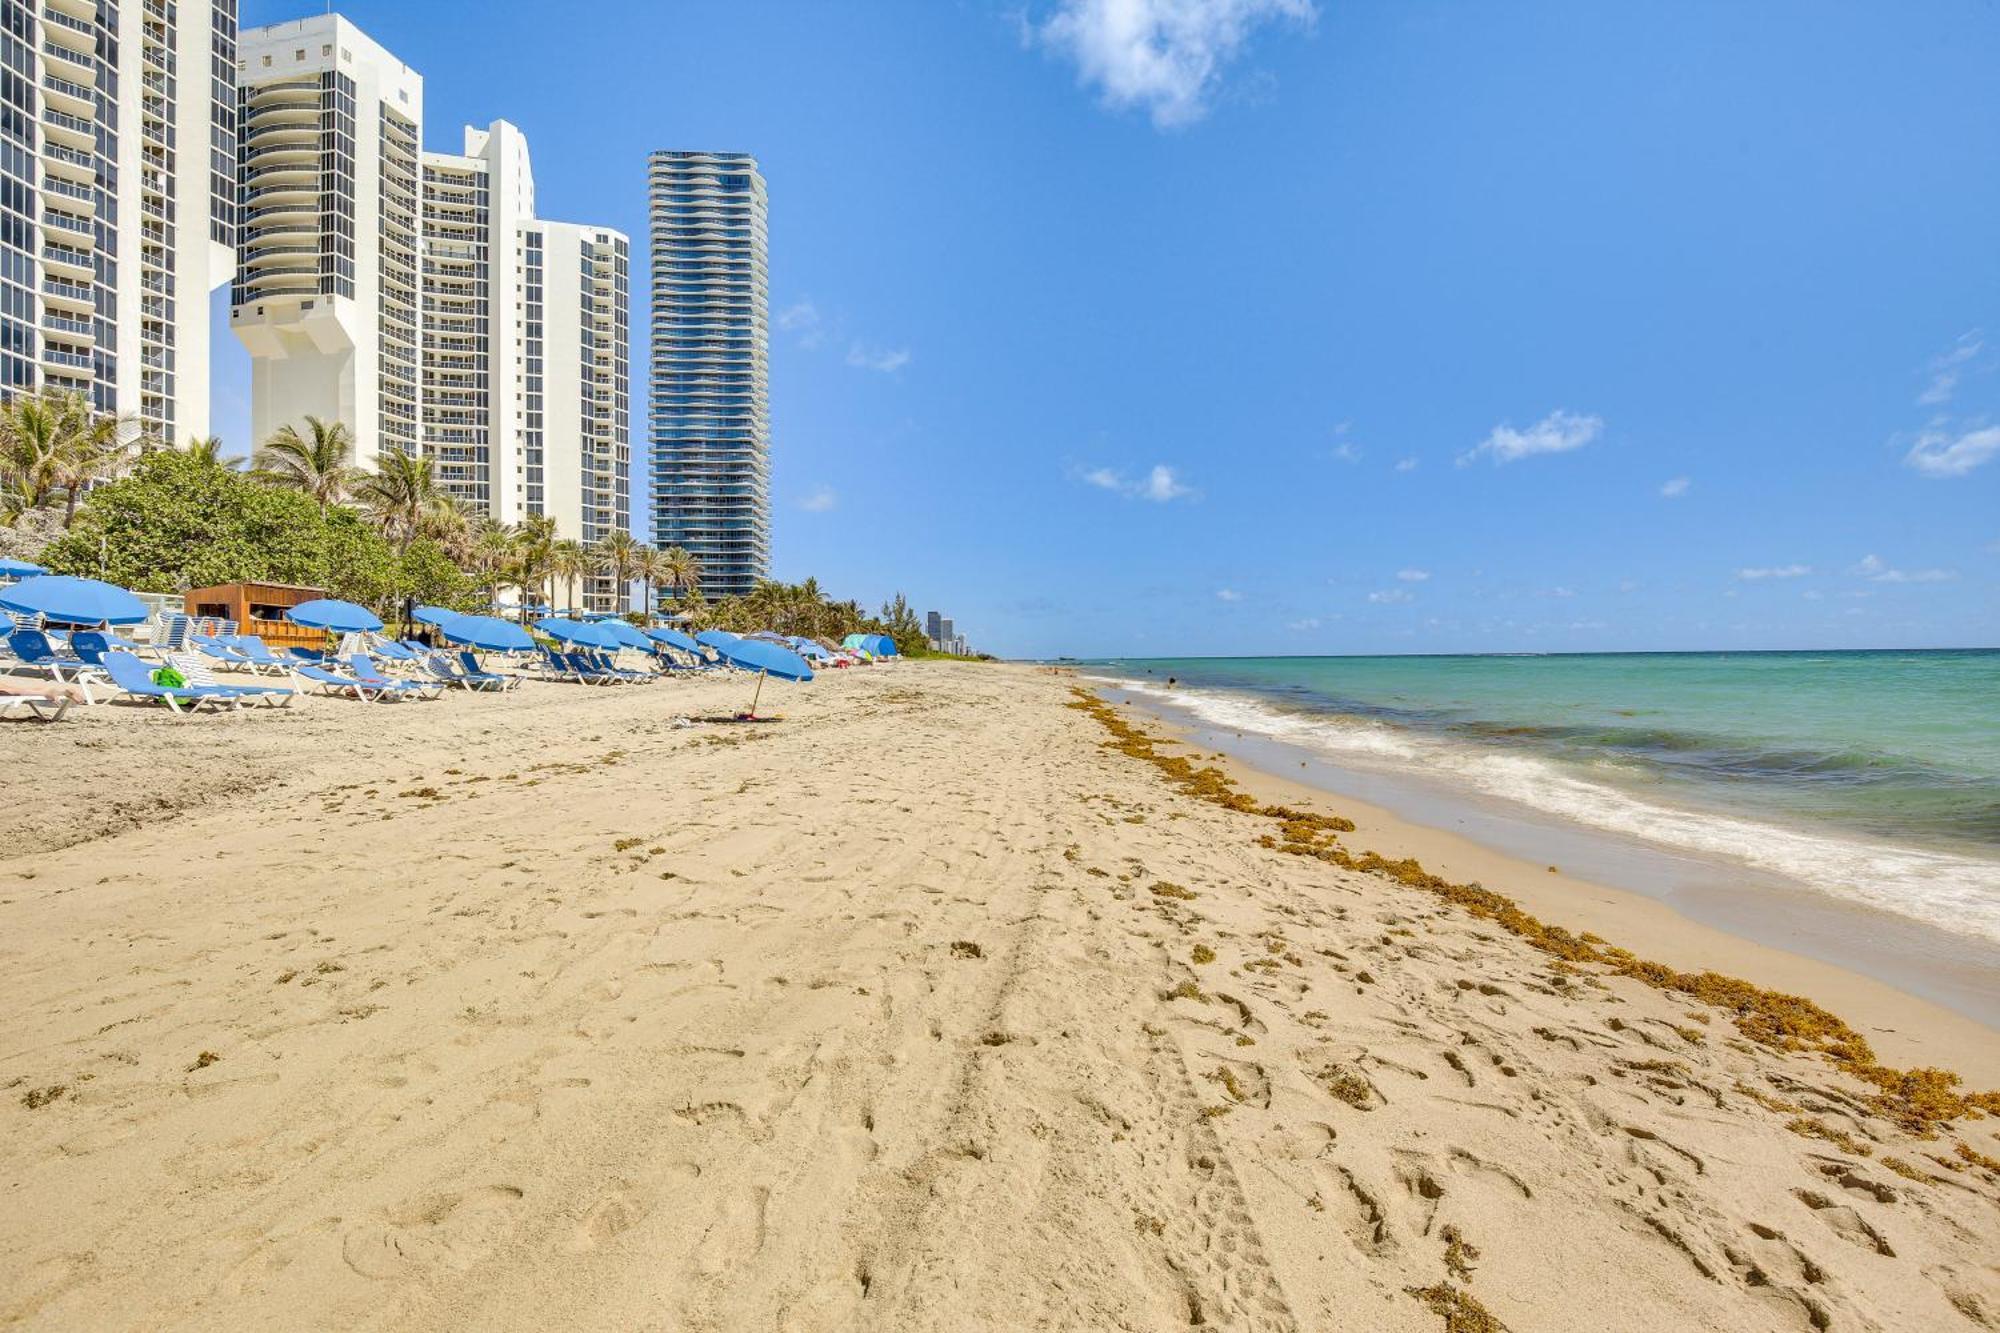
[(752, 714)]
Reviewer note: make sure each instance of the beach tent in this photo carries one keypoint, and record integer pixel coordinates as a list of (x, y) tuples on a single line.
[(74, 601), (809, 650), (336, 615)]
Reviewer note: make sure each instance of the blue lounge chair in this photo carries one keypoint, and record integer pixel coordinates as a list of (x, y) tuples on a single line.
[(310, 656), (392, 651), (439, 668), (365, 671), (217, 651), (198, 676), (469, 664), (131, 678), (589, 672), (33, 648), (332, 682), (259, 655)]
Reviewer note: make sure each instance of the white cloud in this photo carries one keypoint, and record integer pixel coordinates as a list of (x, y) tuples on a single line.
[(1160, 485), (1947, 369), (1940, 453), (1413, 575), (1562, 592), (888, 360), (1406, 465), (1557, 433), (1390, 596), (802, 319), (1628, 585), (820, 500), (1347, 452), (1299, 626), (1872, 568), (1228, 595), (1675, 488), (1166, 56), (1774, 572)]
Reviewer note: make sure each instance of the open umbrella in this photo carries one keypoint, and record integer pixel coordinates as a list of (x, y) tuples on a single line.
[(673, 638), (432, 615), (74, 601), (626, 633), (19, 569), (488, 632), (766, 659), (715, 638), (575, 631), (334, 614)]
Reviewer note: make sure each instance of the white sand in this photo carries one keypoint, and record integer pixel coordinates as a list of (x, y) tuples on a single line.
[(862, 1028)]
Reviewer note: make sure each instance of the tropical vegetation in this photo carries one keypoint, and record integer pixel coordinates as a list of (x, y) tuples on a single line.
[(160, 519)]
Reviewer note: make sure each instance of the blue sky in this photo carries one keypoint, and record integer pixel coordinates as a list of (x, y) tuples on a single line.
[(1187, 326)]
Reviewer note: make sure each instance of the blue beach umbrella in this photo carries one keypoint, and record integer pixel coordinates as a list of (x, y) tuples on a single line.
[(488, 632), (334, 614), (575, 631), (673, 638), (19, 569), (715, 638), (432, 615), (809, 650), (766, 659), (626, 633), (74, 601)]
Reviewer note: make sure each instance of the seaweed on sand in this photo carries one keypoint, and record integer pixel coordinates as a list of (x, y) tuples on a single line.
[(1918, 1100)]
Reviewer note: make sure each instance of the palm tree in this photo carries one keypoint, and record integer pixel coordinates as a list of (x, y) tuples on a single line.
[(89, 447), (569, 561), (320, 462), (403, 496), (208, 451), (680, 571), (614, 557), (31, 435), (489, 551), (534, 539), (648, 563)]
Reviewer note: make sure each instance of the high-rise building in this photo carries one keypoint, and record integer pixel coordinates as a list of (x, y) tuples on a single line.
[(503, 345), (117, 201), (574, 399), (710, 420), (326, 296)]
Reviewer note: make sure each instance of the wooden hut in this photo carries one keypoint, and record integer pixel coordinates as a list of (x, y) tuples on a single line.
[(259, 608)]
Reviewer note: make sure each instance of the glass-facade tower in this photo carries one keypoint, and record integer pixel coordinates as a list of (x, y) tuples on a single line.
[(710, 421)]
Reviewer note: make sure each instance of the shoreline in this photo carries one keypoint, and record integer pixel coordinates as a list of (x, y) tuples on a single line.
[(934, 1005), (1907, 1028)]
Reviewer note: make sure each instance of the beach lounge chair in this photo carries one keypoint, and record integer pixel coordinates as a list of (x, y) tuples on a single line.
[(218, 651), (332, 682), (440, 668), (365, 671), (33, 648), (309, 656), (46, 701), (391, 651), (197, 674), (589, 672), (132, 678), (552, 665), (469, 664), (259, 655)]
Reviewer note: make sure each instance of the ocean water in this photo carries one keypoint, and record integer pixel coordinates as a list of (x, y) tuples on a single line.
[(1870, 776)]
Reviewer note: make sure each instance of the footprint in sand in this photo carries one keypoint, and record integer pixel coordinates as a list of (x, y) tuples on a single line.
[(736, 1236), (447, 1230)]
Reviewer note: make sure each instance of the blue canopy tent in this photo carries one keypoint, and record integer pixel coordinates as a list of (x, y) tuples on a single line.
[(766, 659), (74, 601), (330, 613)]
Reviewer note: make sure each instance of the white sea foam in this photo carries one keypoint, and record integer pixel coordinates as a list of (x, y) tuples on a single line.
[(1958, 893)]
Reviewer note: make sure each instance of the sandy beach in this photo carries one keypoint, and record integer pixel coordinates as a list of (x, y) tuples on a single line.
[(922, 1008)]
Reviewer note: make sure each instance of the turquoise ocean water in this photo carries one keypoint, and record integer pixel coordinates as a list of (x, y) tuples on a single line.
[(1871, 776)]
